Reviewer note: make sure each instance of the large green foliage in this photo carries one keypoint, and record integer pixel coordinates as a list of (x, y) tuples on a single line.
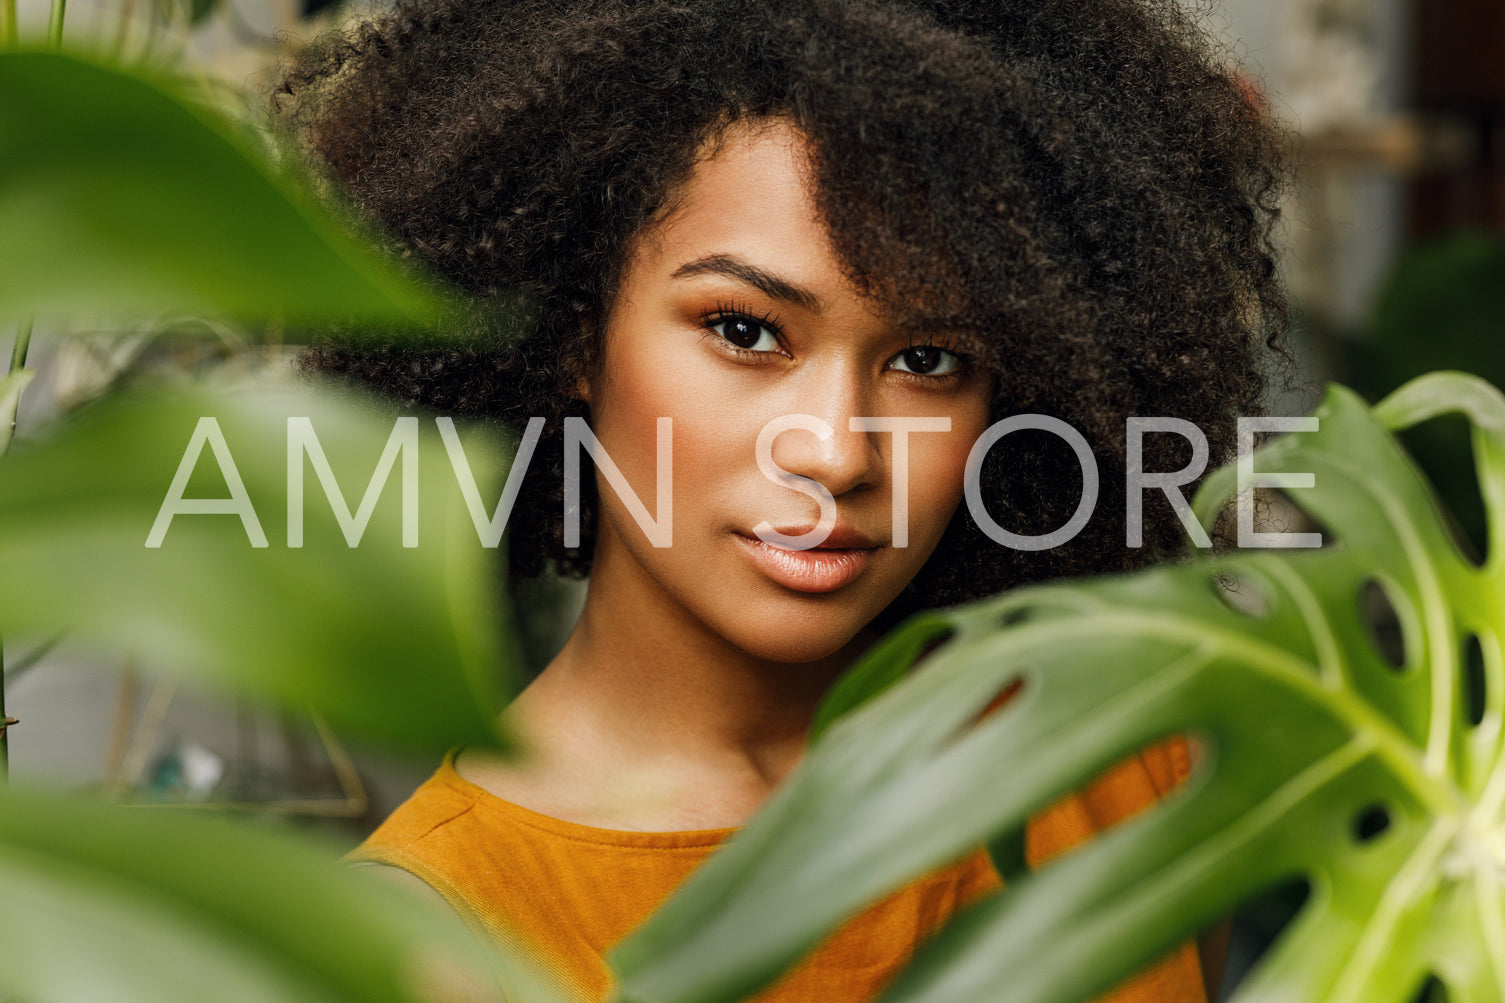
[(1320, 759), (106, 903), (400, 645), (122, 197)]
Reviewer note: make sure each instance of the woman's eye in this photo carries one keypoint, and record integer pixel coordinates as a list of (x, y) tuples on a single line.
[(746, 333), (926, 360)]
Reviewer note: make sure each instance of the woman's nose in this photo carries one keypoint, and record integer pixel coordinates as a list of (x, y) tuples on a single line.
[(821, 445)]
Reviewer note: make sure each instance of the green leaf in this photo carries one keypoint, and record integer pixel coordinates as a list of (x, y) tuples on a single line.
[(118, 197), (1310, 739), (152, 905), (400, 644)]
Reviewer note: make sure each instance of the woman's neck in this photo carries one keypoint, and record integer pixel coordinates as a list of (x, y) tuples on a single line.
[(644, 699)]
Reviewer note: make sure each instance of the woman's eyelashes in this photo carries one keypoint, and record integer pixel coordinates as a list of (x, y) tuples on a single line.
[(746, 334), (927, 360)]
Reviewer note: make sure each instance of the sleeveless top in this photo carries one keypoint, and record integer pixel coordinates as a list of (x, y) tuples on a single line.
[(573, 891)]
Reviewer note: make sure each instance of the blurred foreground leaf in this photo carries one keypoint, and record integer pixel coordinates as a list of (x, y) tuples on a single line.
[(1372, 774), (150, 905), (401, 645), (119, 198)]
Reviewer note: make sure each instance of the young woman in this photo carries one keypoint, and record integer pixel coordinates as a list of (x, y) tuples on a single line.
[(831, 241)]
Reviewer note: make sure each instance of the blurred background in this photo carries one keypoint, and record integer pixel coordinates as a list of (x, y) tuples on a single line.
[(1394, 254)]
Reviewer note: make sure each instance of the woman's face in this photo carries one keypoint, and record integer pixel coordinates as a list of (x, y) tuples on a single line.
[(733, 313)]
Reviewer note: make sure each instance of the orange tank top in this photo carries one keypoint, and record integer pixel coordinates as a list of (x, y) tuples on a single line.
[(573, 891)]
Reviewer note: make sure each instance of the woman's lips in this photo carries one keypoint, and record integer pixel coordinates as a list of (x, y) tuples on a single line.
[(823, 569)]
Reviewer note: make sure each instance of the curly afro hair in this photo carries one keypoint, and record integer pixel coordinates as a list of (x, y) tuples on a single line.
[(1083, 186)]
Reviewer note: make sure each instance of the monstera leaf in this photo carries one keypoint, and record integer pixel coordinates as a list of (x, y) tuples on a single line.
[(122, 197), (1366, 765), (382, 621), (337, 569), (176, 908)]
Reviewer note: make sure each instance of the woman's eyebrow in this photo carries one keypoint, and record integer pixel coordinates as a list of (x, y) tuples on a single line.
[(744, 271)]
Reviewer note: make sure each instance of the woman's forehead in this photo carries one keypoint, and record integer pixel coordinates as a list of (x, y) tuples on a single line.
[(750, 213)]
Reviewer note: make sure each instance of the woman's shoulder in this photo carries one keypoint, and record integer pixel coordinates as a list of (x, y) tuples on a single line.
[(464, 832), (435, 803), (534, 784)]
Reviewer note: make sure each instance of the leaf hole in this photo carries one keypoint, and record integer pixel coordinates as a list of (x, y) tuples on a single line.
[(1240, 594), (1275, 511), (1001, 699), (1475, 684), (1443, 449), (1431, 991), (1258, 925), (930, 645), (1371, 823), (1016, 616), (1382, 620)]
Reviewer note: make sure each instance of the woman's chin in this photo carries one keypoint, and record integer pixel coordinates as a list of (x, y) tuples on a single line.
[(790, 644)]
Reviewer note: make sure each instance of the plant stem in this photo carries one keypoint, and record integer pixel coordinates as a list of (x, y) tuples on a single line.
[(17, 360), (55, 24), (18, 351), (8, 23)]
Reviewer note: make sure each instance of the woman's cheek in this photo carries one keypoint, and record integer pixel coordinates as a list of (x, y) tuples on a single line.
[(700, 439)]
